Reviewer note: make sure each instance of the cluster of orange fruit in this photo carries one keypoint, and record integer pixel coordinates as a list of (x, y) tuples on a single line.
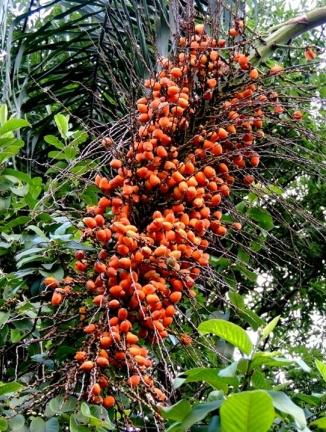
[(165, 201)]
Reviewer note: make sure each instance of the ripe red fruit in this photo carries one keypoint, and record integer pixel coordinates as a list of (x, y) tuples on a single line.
[(277, 69), (80, 254), (104, 203), (134, 380), (108, 401), (57, 299), (90, 328), (81, 266), (233, 32), (90, 222), (80, 356), (96, 389), (185, 339), (99, 267), (99, 300), (310, 54), (175, 297), (103, 381), (297, 115), (50, 282), (100, 221), (253, 74), (254, 160), (132, 338), (102, 362), (248, 179), (199, 28), (87, 366)]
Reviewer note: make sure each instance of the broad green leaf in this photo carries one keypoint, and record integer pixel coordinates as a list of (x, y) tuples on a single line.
[(3, 424), (20, 220), (259, 381), (250, 275), (284, 404), (229, 371), (4, 317), (274, 189), (243, 256), (262, 217), (322, 368), (198, 412), (79, 138), (16, 335), (308, 399), (9, 148), (84, 409), (52, 425), (38, 231), (270, 327), (53, 140), (270, 359), (303, 365), (37, 425), (28, 259), (249, 411), (74, 426), (210, 376), (57, 154), (62, 123), (319, 423), (247, 314), (13, 124), (177, 411), (16, 423), (214, 424), (100, 418), (59, 405), (228, 331), (27, 252), (10, 387)]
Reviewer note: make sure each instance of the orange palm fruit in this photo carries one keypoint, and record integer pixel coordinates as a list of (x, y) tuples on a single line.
[(233, 32), (134, 380), (57, 299), (275, 70), (102, 362), (211, 83), (131, 338), (175, 297), (253, 74), (109, 402), (87, 366), (80, 356), (51, 282), (297, 115), (90, 328), (96, 389)]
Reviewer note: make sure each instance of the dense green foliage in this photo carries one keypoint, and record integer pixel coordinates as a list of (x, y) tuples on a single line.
[(70, 71)]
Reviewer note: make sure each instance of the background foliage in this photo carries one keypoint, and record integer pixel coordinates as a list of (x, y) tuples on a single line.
[(68, 71)]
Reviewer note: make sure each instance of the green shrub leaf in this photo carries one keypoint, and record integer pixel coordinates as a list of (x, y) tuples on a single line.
[(270, 327), (250, 411), (322, 368), (284, 404), (228, 331), (177, 411), (262, 217)]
